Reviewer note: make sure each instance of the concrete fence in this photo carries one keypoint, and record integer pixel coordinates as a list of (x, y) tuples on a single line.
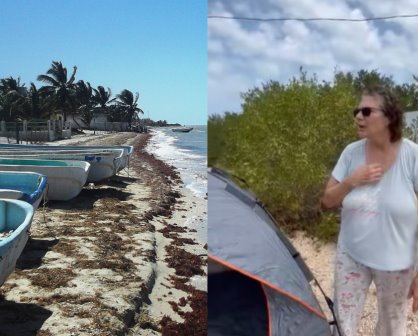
[(36, 131), (110, 126), (98, 123)]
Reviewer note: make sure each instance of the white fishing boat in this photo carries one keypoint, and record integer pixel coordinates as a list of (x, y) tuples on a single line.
[(182, 129), (15, 222), (24, 186), (65, 178), (103, 163), (127, 150)]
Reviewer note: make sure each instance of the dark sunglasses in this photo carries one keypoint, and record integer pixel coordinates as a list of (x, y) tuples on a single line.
[(365, 111)]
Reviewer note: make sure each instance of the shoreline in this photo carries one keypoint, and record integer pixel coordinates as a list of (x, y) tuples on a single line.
[(106, 262), (178, 258)]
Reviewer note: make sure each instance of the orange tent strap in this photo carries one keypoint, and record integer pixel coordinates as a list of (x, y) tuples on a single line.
[(268, 310), (268, 284)]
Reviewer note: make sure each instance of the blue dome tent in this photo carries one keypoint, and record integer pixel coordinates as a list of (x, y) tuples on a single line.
[(258, 283)]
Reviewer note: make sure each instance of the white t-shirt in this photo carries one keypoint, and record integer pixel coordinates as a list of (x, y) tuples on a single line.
[(379, 221)]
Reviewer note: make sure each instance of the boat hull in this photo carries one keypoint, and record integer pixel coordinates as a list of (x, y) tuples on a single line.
[(103, 165), (182, 129), (25, 186), (65, 178), (17, 216), (124, 162)]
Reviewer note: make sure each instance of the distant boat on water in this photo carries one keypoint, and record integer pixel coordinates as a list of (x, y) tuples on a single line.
[(182, 129)]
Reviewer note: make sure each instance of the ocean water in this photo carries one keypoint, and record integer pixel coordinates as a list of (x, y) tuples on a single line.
[(187, 152)]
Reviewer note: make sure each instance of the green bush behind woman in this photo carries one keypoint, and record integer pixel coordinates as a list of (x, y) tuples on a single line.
[(287, 139)]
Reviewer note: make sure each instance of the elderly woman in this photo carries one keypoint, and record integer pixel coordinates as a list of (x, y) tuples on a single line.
[(375, 181)]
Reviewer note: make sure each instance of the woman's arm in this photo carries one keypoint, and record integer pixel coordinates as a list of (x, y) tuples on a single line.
[(336, 191)]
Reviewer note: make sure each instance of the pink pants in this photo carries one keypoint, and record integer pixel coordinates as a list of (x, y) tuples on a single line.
[(351, 284)]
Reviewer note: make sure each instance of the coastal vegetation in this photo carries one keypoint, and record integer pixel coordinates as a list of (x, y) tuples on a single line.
[(62, 95), (288, 138)]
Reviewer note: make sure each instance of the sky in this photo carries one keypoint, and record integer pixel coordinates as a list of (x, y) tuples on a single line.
[(157, 48), (244, 54)]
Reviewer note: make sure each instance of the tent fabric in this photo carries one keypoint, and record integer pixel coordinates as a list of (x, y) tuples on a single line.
[(243, 237), (236, 306)]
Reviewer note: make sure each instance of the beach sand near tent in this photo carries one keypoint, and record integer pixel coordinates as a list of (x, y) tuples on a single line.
[(320, 259), (116, 260)]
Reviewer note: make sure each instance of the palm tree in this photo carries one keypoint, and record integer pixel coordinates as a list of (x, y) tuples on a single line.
[(115, 113), (38, 102), (60, 89), (130, 104), (85, 102), (9, 107), (11, 84), (102, 97), (12, 99)]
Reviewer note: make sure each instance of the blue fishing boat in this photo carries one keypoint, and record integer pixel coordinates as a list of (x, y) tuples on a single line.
[(15, 222), (25, 186)]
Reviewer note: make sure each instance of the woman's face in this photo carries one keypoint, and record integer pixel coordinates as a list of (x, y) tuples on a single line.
[(376, 123)]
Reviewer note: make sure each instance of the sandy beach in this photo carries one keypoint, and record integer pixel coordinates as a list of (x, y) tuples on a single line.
[(320, 259), (116, 260)]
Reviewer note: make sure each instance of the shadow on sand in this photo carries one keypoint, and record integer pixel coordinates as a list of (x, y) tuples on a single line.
[(118, 181), (87, 198), (33, 253), (21, 319)]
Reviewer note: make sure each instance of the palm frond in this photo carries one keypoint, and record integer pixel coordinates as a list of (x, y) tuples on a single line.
[(48, 79), (72, 78)]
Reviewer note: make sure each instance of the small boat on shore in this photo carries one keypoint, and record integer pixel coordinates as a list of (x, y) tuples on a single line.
[(65, 178), (124, 162), (24, 186), (103, 164), (182, 129), (15, 222)]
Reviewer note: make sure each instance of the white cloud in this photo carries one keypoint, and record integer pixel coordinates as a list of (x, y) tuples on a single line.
[(226, 95), (215, 46), (243, 54)]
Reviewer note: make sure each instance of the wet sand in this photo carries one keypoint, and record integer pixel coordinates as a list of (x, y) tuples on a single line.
[(115, 260)]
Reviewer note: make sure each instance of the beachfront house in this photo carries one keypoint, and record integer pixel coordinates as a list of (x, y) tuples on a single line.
[(99, 122)]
